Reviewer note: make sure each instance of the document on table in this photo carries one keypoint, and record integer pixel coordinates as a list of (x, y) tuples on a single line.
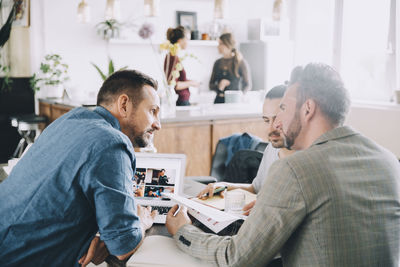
[(214, 219), (219, 203), (159, 250)]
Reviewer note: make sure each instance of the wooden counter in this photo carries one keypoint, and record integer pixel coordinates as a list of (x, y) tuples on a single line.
[(194, 131)]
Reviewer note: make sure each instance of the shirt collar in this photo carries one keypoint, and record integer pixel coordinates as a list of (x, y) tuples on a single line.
[(108, 117), (336, 133)]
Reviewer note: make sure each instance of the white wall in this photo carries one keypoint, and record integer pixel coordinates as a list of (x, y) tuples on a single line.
[(54, 29), (378, 122)]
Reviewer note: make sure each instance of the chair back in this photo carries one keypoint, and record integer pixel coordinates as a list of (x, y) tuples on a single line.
[(243, 167), (251, 161)]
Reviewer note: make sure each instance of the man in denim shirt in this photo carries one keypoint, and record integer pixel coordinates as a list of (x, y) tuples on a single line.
[(76, 180)]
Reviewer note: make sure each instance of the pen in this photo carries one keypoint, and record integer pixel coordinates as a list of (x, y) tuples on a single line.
[(176, 212), (218, 189)]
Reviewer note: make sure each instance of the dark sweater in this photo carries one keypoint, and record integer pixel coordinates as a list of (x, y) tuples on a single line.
[(223, 69)]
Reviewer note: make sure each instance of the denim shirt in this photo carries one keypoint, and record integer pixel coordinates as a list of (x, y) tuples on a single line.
[(74, 181)]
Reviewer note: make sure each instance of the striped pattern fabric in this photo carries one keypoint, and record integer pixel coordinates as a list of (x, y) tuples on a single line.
[(336, 203)]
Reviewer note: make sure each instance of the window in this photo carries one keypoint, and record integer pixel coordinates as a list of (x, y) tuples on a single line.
[(357, 37), (314, 31), (366, 58)]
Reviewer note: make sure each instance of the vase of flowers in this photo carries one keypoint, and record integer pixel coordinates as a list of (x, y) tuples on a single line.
[(166, 91), (168, 101)]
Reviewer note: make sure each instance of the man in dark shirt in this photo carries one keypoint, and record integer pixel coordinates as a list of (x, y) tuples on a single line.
[(162, 178), (76, 180)]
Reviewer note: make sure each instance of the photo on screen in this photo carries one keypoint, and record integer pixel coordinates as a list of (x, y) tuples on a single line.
[(152, 182)]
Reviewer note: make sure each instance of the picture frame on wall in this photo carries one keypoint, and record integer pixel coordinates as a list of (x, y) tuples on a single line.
[(22, 16), (187, 19), (267, 28)]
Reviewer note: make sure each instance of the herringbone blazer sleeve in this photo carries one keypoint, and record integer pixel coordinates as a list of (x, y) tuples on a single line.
[(279, 209)]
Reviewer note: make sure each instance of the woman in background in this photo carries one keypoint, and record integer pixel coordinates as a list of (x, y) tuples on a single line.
[(178, 35), (231, 72)]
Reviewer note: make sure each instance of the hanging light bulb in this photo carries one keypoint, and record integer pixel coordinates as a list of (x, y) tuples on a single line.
[(83, 12), (151, 8), (113, 10), (220, 9)]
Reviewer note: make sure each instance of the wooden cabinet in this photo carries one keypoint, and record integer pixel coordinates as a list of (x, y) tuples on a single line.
[(198, 139), (52, 111), (195, 138), (192, 139)]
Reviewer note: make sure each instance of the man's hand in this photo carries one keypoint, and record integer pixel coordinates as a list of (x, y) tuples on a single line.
[(210, 190), (175, 222), (247, 208), (96, 253), (223, 84), (139, 192), (146, 216)]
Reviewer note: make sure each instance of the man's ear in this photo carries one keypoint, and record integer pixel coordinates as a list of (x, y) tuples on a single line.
[(309, 107), (122, 105)]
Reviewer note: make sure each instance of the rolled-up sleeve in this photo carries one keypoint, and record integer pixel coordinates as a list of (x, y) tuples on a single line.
[(109, 188), (279, 209)]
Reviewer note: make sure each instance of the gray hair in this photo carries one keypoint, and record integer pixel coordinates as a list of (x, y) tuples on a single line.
[(324, 85)]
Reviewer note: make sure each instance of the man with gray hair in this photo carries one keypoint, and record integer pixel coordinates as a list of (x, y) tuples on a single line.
[(336, 202)]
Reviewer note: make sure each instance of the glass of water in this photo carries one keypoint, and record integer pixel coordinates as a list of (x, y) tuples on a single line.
[(234, 202)]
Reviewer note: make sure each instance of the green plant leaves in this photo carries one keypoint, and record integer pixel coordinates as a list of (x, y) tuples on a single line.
[(6, 28), (52, 71), (103, 76), (111, 69), (108, 29)]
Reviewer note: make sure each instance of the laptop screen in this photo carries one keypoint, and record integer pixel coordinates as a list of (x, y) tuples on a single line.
[(158, 173)]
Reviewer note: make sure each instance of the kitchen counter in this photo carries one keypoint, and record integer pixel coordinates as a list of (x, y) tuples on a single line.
[(186, 113), (194, 130)]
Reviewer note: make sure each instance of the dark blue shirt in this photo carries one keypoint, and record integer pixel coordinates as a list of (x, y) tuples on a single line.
[(74, 181)]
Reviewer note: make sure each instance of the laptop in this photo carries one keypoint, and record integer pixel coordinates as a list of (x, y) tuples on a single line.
[(158, 173)]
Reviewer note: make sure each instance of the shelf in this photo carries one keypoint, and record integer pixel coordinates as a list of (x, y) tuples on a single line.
[(147, 42), (132, 42), (203, 43)]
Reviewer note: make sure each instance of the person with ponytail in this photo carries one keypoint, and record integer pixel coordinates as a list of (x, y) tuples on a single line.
[(231, 72), (172, 66)]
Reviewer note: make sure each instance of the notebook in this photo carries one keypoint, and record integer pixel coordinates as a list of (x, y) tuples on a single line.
[(158, 173)]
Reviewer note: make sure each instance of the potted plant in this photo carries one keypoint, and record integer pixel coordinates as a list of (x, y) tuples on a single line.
[(108, 29), (111, 69), (50, 78), (6, 28), (6, 82)]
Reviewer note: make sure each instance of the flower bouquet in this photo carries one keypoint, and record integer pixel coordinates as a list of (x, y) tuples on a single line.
[(166, 90)]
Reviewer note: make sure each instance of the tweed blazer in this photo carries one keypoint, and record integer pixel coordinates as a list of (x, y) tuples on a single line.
[(336, 203)]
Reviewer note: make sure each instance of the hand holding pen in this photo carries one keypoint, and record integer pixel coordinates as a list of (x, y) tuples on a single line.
[(212, 189), (176, 218)]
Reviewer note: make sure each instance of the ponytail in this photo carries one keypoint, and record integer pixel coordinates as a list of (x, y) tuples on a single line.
[(228, 40), (237, 57)]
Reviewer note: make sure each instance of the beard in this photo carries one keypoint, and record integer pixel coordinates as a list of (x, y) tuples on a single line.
[(276, 139), (293, 131), (142, 139)]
